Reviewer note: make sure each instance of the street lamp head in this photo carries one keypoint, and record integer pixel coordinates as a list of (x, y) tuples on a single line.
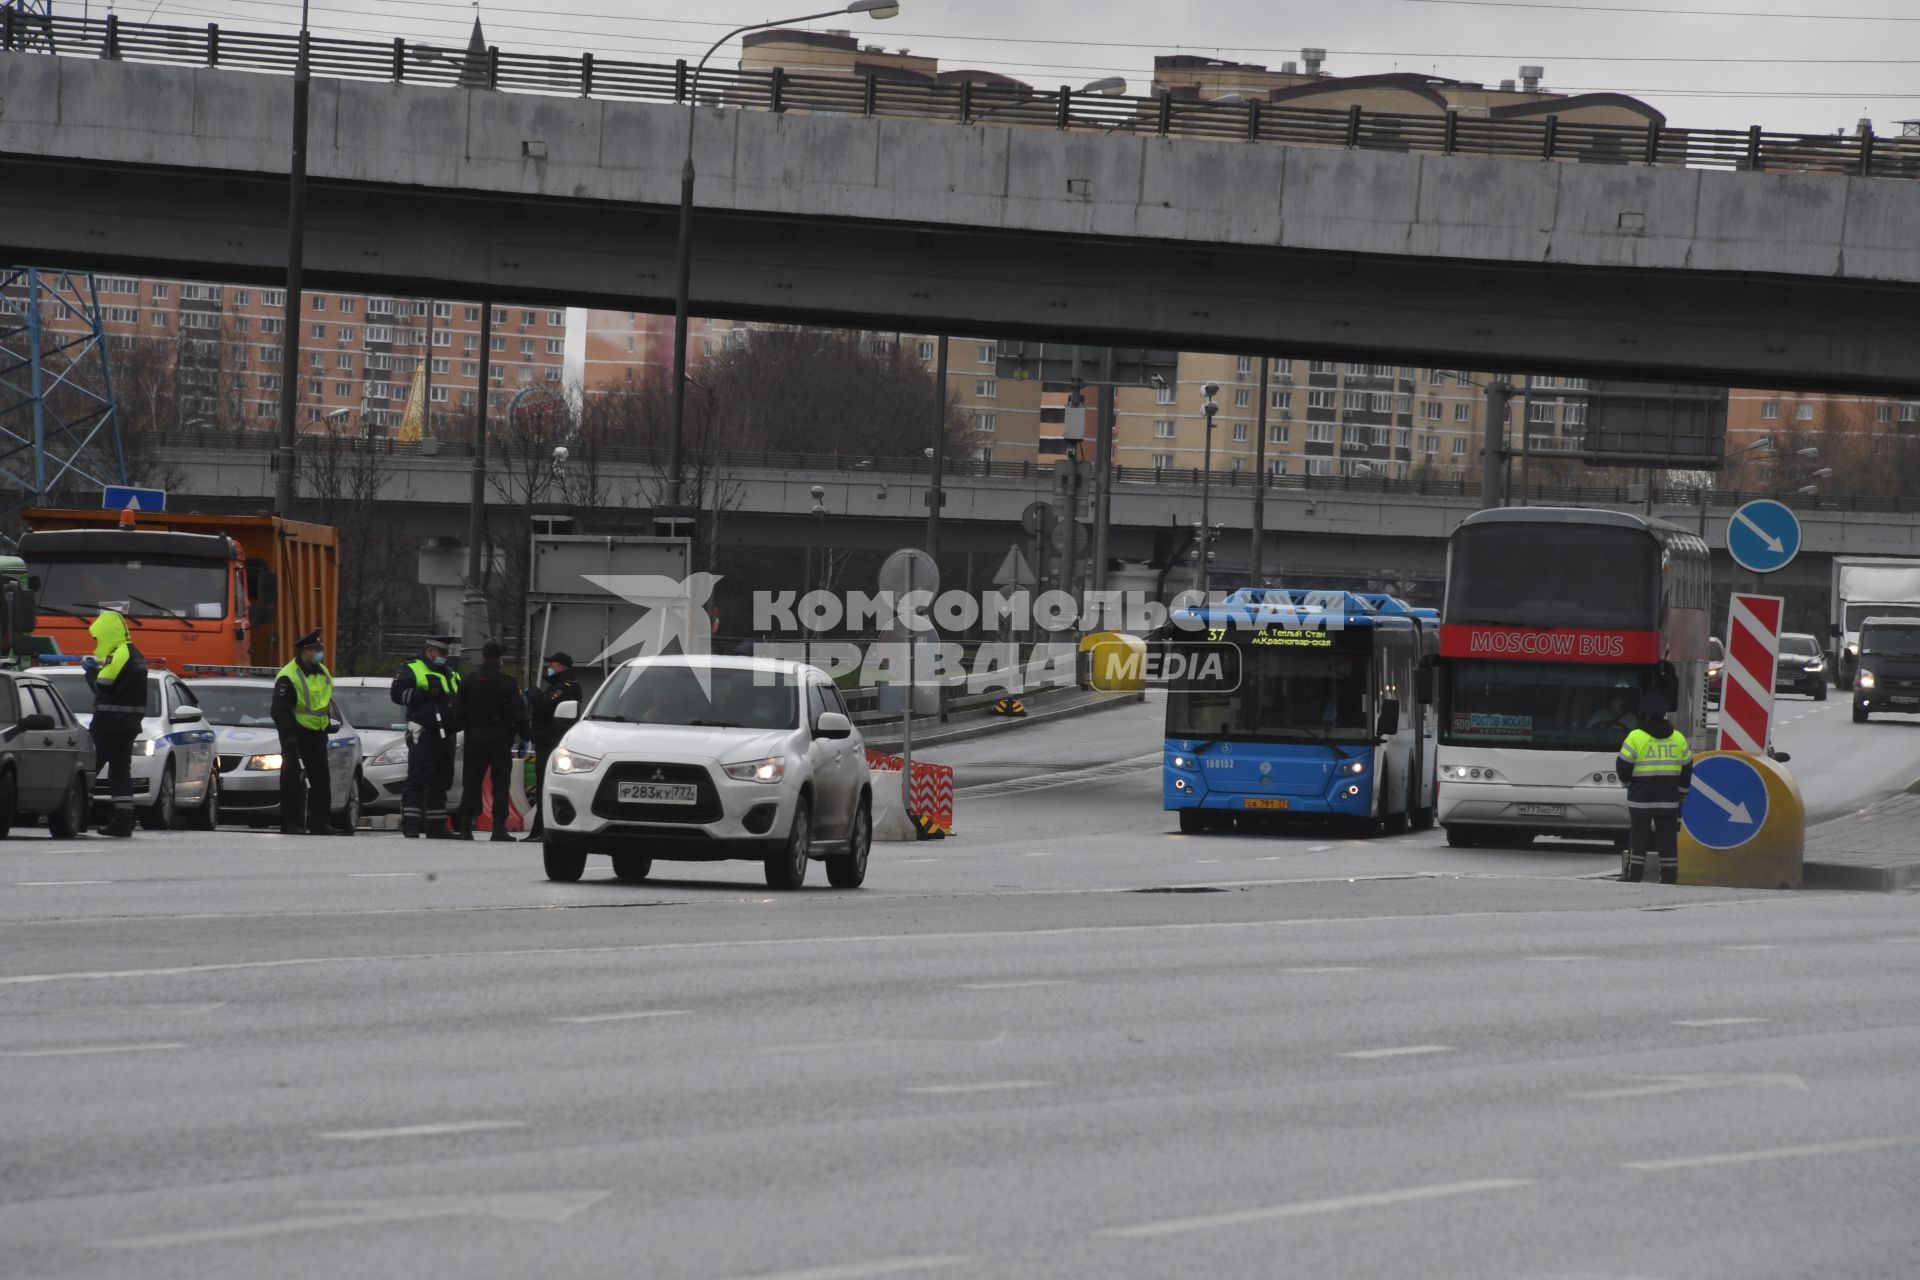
[(1821, 474), (875, 8), (817, 492), (1811, 451), (1112, 87), (1227, 100), (1211, 390), (560, 454), (1808, 489)]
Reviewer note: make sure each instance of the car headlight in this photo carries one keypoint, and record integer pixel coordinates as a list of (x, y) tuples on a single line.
[(565, 761), (395, 754), (146, 746), (769, 769), (1815, 666), (1866, 679), (267, 763), (1853, 651)]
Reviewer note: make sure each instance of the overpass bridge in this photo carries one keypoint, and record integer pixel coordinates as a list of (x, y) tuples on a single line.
[(1338, 525), (1752, 259)]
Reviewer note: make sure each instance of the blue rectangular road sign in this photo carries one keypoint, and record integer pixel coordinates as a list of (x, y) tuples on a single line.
[(119, 497)]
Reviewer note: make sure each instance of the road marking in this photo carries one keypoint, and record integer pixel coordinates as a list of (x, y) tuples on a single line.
[(1016, 986), (1319, 848), (1754, 946), (1407, 1051), (87, 1049), (990, 1086), (903, 861), (1718, 1022), (1330, 968), (1206, 862), (1771, 1153), (1687, 1084), (383, 875), (1556, 959), (46, 884), (839, 940), (422, 1130), (623, 1017), (534, 1206), (104, 1010), (863, 1270), (1311, 1208)]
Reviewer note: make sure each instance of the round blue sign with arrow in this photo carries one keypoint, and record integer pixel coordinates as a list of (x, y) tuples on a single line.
[(1727, 804), (1763, 536)]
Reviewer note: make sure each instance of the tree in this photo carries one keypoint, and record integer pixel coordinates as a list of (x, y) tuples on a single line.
[(344, 467)]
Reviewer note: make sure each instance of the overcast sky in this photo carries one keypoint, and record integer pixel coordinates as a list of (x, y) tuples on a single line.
[(1705, 63)]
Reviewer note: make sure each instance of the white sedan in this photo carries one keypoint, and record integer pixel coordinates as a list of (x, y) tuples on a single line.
[(173, 758), (706, 759), (240, 709), (367, 702)]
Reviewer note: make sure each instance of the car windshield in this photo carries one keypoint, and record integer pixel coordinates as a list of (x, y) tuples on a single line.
[(73, 689), (369, 707), (1859, 613), (1890, 642), (1716, 652), (734, 697), (236, 705), (1800, 646)]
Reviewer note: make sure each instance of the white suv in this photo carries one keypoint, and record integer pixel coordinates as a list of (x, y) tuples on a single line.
[(704, 759)]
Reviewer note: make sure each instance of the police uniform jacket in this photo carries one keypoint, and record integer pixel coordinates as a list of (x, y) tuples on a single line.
[(1657, 765), (119, 684), (489, 699), (546, 730), (429, 694)]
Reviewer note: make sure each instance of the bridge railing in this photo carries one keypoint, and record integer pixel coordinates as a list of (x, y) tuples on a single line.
[(587, 75), (845, 468)]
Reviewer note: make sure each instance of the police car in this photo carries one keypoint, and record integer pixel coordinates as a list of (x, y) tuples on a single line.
[(367, 703), (240, 710), (173, 758)]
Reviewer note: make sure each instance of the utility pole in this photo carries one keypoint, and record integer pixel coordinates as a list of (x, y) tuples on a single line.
[(473, 612), (1206, 494), (1103, 470), (1256, 567), (285, 456), (1493, 448), (934, 495)]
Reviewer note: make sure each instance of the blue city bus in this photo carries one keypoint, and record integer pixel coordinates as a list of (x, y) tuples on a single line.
[(1286, 704)]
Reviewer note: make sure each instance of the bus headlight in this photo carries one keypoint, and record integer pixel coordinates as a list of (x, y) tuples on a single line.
[(1181, 762), (1357, 766)]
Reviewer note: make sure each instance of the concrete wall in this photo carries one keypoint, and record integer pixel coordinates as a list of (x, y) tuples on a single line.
[(1762, 279)]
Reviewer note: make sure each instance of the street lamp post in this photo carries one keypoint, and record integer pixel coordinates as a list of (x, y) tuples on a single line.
[(284, 488), (1211, 390), (872, 8)]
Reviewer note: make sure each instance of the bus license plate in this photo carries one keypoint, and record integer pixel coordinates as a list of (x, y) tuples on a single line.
[(659, 793), (1258, 803), (1541, 810)]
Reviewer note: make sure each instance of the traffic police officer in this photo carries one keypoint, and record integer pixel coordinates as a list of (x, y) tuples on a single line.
[(303, 713), (494, 717), (1657, 765), (547, 731), (426, 687), (117, 674)]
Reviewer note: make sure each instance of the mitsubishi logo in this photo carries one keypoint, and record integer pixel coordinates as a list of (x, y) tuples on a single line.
[(659, 776)]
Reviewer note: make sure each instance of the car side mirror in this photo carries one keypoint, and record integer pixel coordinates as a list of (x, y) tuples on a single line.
[(1835, 631), (38, 722), (832, 724), (261, 615), (568, 710), (1389, 722), (187, 715)]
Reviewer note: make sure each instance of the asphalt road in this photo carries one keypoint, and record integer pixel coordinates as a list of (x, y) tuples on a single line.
[(247, 1055)]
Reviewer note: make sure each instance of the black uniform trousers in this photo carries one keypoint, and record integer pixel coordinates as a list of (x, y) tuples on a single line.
[(1658, 831), (113, 749), (429, 774), (489, 750), (304, 777)]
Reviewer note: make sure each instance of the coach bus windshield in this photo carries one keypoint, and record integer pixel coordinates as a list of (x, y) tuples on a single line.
[(1281, 695), (1595, 576), (1554, 706)]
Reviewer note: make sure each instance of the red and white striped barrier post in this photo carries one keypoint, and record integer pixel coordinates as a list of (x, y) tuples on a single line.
[(1746, 692)]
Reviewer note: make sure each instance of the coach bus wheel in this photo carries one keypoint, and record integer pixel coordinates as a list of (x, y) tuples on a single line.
[(1192, 822), (1461, 838), (1423, 819)]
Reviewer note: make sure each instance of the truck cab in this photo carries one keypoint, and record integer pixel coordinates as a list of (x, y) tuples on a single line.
[(183, 594)]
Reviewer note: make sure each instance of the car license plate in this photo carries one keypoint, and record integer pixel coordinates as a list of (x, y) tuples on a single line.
[(1904, 701), (659, 793), (1541, 810), (1256, 802)]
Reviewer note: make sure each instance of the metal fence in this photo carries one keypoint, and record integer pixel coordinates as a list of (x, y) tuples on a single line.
[(1164, 115), (840, 468)]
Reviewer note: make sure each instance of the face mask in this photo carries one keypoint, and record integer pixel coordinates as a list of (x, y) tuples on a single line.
[(315, 657), (438, 660), (554, 673)]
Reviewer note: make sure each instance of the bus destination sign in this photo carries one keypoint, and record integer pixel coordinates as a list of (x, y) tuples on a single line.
[(1556, 644)]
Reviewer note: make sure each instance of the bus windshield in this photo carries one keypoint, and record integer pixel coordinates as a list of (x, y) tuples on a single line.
[(1602, 577), (1554, 706), (1281, 696), (147, 587)]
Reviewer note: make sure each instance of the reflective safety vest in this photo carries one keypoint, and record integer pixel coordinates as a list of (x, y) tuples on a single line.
[(425, 677), (312, 694), (1653, 757)]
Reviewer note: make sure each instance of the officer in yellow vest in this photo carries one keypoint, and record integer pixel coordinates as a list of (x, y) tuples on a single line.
[(426, 687), (303, 713), (1657, 765)]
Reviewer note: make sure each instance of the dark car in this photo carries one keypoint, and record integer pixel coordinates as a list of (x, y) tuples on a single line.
[(1802, 667), (46, 758), (1887, 677), (1716, 659)]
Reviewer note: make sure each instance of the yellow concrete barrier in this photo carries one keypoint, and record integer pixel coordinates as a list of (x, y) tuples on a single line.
[(1119, 661), (1743, 825)]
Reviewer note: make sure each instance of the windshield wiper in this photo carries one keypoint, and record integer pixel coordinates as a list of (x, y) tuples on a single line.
[(714, 724), (165, 612), (615, 719)]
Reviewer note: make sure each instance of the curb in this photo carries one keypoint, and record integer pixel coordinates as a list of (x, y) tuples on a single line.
[(1860, 878), (1000, 724)]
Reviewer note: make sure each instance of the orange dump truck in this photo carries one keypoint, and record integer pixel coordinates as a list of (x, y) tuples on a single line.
[(205, 592)]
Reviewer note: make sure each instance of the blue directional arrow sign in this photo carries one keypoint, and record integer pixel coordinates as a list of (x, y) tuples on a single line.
[(120, 497), (1727, 805), (1763, 536)]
